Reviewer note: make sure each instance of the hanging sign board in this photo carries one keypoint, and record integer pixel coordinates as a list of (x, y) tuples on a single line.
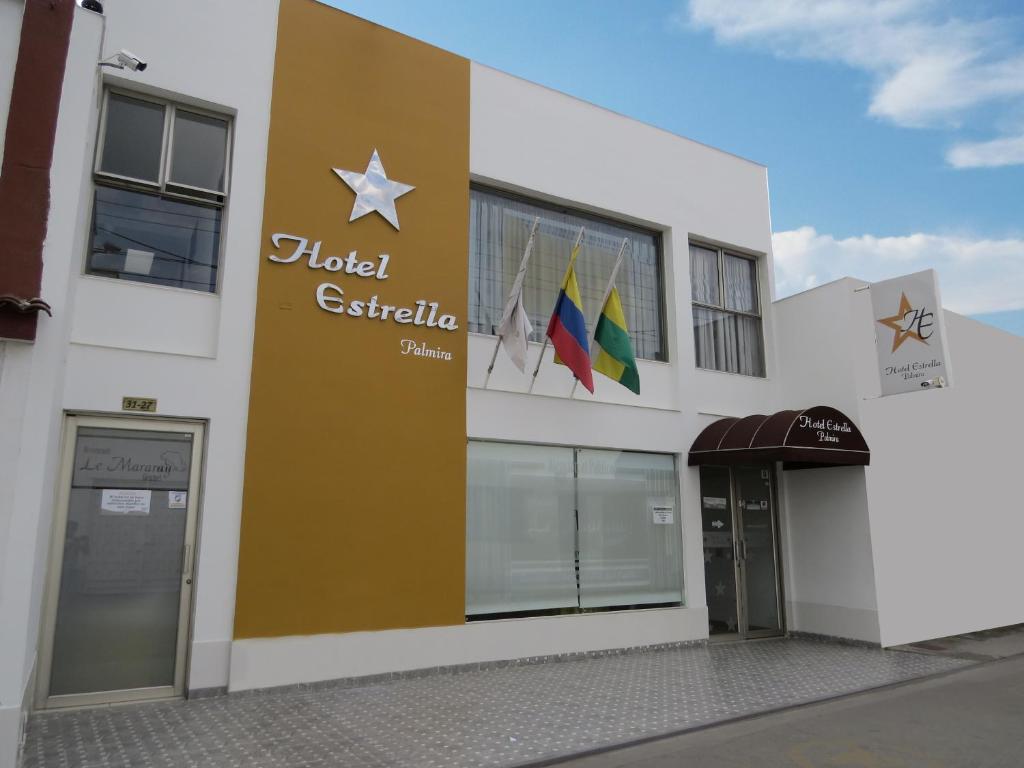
[(910, 336)]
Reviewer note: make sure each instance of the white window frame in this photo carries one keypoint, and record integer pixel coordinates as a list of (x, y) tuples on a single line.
[(722, 252), (164, 186), (208, 198)]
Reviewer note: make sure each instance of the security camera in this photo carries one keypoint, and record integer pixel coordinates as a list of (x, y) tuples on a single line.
[(128, 60)]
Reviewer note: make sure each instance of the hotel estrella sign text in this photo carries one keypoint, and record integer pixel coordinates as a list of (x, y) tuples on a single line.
[(910, 334), (826, 430), (375, 192)]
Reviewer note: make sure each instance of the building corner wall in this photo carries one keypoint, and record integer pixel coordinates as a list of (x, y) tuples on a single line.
[(828, 566), (945, 523), (829, 574)]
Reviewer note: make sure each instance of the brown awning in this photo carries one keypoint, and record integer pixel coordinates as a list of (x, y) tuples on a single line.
[(814, 437)]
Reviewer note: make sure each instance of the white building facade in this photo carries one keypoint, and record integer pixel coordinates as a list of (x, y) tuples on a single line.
[(217, 474)]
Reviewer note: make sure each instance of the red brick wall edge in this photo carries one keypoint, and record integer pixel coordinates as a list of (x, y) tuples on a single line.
[(28, 155)]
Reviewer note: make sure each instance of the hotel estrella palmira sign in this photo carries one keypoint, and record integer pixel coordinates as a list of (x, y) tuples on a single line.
[(353, 513), (910, 333)]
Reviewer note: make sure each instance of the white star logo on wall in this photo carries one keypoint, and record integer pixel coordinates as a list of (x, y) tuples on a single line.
[(374, 191)]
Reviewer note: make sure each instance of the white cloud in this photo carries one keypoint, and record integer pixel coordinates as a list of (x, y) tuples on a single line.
[(928, 67), (987, 154), (975, 275)]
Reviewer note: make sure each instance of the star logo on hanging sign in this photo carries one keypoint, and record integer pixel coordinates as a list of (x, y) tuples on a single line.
[(908, 323), (720, 589), (374, 191)]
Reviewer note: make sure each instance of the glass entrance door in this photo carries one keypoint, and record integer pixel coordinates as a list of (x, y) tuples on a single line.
[(720, 550), (740, 551), (752, 489), (121, 580)]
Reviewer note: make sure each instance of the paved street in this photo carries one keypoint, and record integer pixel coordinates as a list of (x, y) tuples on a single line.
[(504, 716), (973, 718)]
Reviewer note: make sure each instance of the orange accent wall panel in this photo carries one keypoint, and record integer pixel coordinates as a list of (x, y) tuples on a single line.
[(354, 501)]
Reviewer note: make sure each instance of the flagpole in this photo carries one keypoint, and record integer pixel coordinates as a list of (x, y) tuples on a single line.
[(607, 293), (579, 240), (522, 265)]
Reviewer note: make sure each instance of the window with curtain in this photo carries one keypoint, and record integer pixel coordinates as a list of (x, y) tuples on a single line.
[(565, 530), (520, 528), (499, 227), (726, 311), (161, 180), (629, 548)]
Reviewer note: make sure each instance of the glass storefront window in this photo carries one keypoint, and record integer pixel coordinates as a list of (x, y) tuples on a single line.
[(563, 530), (520, 530), (628, 529)]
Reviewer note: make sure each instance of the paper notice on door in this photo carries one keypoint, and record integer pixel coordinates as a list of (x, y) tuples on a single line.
[(662, 514), (714, 502), (125, 502), (177, 499)]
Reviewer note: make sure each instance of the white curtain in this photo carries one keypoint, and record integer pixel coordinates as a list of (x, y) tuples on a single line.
[(724, 339), (498, 230), (740, 283), (628, 555), (520, 529), (704, 283)]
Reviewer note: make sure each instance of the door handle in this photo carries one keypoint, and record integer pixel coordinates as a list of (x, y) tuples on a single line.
[(186, 564), (743, 544)]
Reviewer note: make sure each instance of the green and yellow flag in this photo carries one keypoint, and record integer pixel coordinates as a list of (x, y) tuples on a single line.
[(616, 359)]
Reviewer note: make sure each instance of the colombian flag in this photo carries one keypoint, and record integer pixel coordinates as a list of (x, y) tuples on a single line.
[(568, 330), (616, 359)]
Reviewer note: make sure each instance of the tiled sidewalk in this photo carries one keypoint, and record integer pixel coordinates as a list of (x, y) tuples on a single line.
[(494, 717)]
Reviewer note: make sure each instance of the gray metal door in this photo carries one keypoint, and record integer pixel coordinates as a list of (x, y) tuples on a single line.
[(120, 584)]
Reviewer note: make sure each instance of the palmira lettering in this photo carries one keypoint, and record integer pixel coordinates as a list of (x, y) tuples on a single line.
[(420, 349), (331, 297), (913, 370)]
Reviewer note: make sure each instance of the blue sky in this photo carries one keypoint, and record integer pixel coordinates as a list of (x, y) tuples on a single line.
[(893, 130)]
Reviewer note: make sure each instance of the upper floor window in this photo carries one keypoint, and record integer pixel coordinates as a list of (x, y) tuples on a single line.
[(499, 227), (726, 311), (161, 184)]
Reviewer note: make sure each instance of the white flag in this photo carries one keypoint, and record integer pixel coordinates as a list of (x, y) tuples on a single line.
[(515, 328)]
